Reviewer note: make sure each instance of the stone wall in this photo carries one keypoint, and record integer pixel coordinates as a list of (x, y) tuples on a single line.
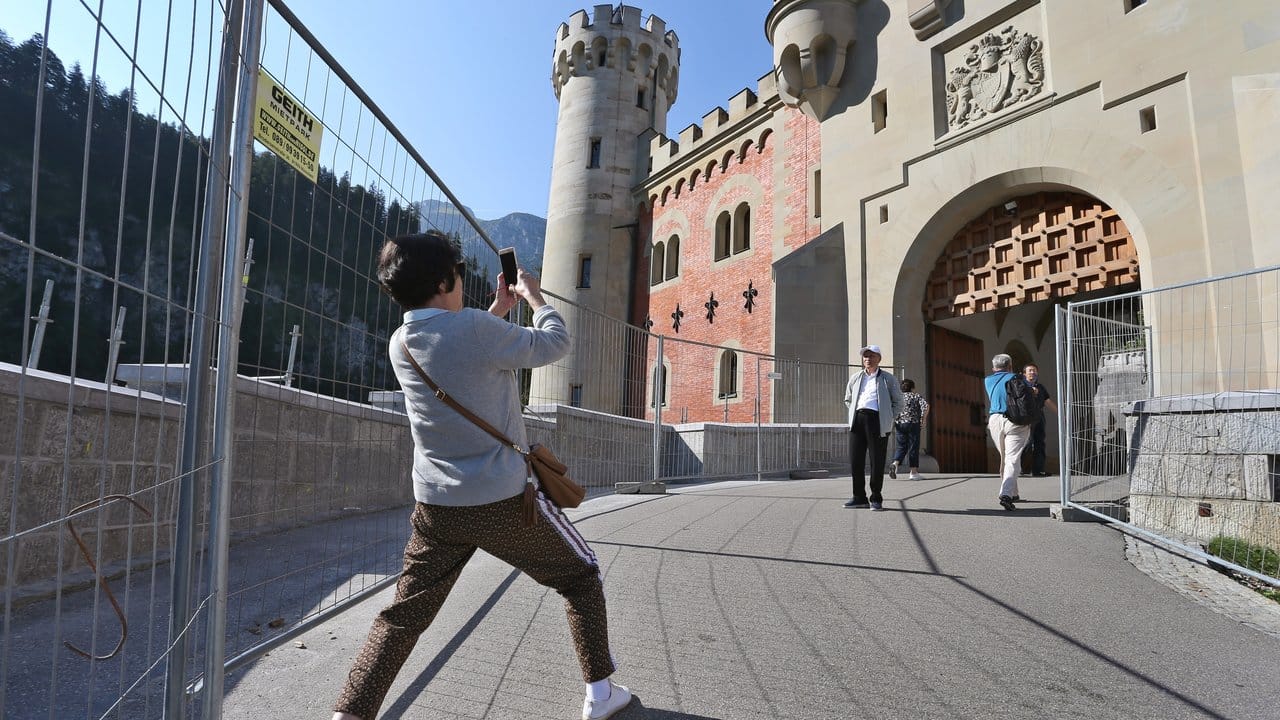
[(299, 458), (716, 449), (1206, 465), (112, 442)]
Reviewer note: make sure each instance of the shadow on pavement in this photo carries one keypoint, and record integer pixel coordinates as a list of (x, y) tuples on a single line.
[(1021, 512), (637, 711), (419, 684)]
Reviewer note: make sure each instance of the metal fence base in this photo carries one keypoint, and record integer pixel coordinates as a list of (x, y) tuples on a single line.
[(1102, 512), (651, 487)]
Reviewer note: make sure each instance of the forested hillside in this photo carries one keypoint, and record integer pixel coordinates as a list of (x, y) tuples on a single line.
[(133, 246)]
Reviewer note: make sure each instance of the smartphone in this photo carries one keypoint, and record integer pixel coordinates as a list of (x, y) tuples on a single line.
[(508, 258)]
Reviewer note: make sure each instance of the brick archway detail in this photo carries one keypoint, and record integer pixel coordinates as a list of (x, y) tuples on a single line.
[(1049, 245)]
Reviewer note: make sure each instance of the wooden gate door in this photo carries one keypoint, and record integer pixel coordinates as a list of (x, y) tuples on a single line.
[(958, 419)]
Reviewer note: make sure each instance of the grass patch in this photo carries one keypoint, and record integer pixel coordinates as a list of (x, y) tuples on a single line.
[(1257, 558)]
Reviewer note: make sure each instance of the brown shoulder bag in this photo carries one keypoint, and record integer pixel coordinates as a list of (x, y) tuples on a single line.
[(552, 474)]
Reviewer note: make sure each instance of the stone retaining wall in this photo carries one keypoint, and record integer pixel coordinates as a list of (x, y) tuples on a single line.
[(1205, 465)]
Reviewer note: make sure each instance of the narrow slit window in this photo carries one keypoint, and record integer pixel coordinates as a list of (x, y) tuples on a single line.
[(575, 395), (1147, 119), (884, 214), (640, 98), (584, 271), (817, 193), (593, 155), (880, 110)]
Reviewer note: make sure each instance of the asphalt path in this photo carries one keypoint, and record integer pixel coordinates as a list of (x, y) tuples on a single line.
[(770, 600)]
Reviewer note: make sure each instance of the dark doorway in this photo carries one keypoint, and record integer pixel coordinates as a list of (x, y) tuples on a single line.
[(958, 421)]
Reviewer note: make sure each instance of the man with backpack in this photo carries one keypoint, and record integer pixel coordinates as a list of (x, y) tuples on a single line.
[(1012, 411)]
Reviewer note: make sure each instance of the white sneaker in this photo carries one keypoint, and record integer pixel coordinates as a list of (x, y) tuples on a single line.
[(917, 476), (618, 698)]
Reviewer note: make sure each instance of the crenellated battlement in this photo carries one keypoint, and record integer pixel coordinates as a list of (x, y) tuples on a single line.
[(716, 126), (617, 38)]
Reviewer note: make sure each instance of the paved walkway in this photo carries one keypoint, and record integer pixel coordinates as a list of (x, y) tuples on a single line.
[(770, 600)]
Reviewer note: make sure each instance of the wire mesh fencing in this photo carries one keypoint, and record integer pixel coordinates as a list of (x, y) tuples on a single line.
[(107, 165), (1172, 414), (647, 407)]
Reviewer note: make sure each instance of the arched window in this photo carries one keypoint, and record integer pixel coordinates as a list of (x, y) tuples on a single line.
[(727, 384), (722, 236), (660, 382), (657, 265), (742, 228), (673, 257), (600, 51)]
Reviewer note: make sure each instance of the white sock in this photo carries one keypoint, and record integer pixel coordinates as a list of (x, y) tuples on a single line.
[(599, 690)]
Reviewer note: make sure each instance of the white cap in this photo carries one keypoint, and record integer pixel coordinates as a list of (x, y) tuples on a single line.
[(870, 348)]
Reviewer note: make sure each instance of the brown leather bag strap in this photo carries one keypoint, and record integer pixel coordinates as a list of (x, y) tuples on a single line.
[(463, 411)]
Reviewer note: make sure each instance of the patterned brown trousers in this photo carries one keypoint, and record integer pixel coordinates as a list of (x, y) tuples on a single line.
[(443, 539)]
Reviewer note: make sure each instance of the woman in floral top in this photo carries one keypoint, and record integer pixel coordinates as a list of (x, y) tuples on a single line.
[(907, 428)]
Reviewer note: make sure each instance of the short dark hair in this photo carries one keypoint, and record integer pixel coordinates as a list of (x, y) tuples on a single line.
[(908, 385), (1024, 367), (412, 267)]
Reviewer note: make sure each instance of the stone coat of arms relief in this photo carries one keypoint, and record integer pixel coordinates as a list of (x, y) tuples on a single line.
[(999, 71)]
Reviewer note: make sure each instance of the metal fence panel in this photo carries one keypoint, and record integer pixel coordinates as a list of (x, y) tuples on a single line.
[(1172, 413), (104, 165)]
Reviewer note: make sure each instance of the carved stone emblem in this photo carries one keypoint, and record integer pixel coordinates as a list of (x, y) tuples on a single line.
[(999, 72)]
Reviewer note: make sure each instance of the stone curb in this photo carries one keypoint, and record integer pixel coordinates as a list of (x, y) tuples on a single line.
[(1203, 585)]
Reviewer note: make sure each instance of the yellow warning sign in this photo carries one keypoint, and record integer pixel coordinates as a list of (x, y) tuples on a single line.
[(286, 127)]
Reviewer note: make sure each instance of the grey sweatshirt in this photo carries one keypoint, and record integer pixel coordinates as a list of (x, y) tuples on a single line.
[(473, 356)]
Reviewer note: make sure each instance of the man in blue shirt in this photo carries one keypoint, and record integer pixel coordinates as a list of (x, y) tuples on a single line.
[(1009, 439)]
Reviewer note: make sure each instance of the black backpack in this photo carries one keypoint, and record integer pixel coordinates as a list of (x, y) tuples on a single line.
[(1020, 403)]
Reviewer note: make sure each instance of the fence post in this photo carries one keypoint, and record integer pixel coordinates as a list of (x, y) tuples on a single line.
[(228, 357), (42, 319), (759, 440), (293, 353), (1062, 335), (659, 391), (194, 426), (113, 345), (797, 411)]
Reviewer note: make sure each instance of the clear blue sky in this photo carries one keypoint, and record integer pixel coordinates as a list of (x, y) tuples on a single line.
[(468, 83)]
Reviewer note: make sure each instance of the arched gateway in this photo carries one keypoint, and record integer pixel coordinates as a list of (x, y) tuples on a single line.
[(993, 289)]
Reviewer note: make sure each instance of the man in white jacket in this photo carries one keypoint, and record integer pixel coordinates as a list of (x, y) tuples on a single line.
[(874, 399)]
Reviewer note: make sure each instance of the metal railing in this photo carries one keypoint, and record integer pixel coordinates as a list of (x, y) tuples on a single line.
[(1171, 415)]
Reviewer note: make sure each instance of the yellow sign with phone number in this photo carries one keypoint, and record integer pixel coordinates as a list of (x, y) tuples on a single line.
[(286, 127)]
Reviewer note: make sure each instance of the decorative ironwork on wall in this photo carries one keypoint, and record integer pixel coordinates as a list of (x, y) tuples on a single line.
[(648, 323), (711, 306), (1000, 70), (750, 294), (675, 316), (1036, 247)]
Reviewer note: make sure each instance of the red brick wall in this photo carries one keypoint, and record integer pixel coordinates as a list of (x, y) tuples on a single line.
[(694, 374)]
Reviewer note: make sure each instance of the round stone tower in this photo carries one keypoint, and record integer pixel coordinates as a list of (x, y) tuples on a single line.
[(615, 77)]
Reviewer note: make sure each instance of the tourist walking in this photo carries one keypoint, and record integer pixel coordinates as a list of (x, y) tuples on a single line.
[(873, 398), (907, 428), (1009, 437), (470, 488)]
